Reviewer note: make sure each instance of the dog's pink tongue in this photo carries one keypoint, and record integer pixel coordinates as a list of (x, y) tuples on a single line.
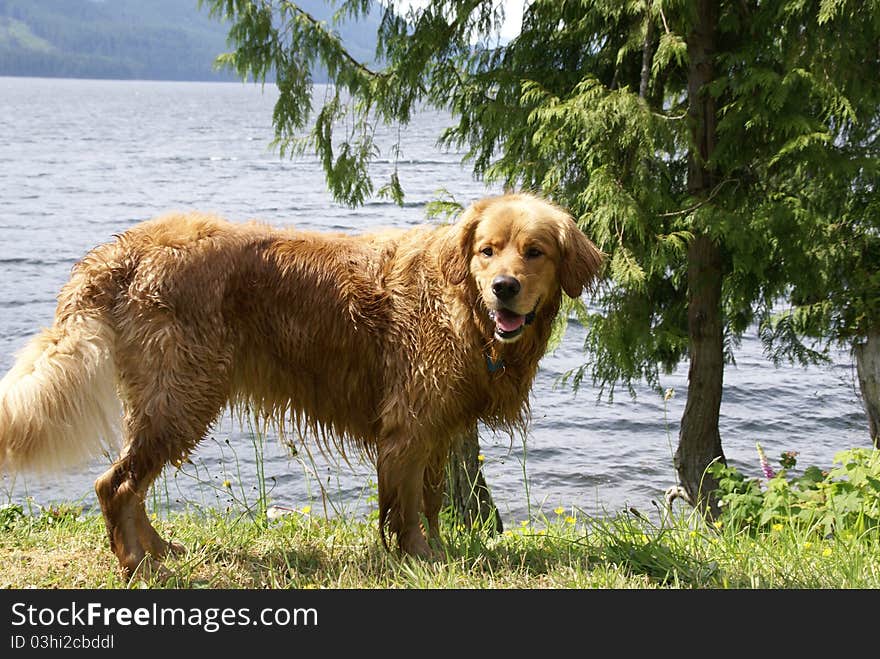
[(507, 321)]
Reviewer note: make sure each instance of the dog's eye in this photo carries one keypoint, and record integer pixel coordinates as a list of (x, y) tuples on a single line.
[(533, 253), (486, 251)]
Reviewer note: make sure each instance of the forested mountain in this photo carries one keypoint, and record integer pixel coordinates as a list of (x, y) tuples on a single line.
[(148, 39)]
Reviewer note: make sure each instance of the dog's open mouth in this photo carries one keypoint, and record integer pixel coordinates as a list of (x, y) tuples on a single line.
[(509, 324)]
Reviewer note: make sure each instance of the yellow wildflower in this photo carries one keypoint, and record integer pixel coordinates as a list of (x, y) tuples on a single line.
[(481, 458), (776, 528), (227, 483), (305, 510), (827, 551), (559, 510), (569, 520)]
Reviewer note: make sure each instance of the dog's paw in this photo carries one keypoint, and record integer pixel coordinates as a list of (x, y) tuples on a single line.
[(149, 571)]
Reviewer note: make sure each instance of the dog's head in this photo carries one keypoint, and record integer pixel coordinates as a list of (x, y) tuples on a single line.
[(520, 250)]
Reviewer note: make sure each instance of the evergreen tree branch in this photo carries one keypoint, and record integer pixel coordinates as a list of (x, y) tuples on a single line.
[(709, 197)]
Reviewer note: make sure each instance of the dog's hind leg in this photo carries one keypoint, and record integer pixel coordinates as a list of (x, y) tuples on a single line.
[(434, 486), (161, 425), (121, 492), (401, 471)]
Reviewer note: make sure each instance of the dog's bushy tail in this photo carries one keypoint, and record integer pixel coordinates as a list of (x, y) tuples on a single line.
[(58, 403)]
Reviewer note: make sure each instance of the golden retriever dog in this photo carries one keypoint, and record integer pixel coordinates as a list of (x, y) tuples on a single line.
[(393, 343)]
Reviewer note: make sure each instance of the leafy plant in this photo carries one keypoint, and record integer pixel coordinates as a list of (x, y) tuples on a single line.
[(846, 497), (10, 513), (60, 513)]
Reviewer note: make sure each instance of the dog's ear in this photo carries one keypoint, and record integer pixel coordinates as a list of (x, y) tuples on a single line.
[(455, 251), (580, 258)]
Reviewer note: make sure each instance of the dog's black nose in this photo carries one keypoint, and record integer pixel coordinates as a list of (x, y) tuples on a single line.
[(505, 287)]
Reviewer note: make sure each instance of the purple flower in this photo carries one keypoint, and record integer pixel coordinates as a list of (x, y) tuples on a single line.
[(765, 465)]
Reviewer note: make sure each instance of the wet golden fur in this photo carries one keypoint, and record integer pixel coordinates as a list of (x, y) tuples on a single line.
[(378, 342)]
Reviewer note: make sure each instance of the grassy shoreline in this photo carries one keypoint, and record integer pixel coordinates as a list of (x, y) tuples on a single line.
[(63, 549)]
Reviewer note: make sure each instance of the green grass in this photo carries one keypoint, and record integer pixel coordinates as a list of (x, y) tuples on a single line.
[(62, 549)]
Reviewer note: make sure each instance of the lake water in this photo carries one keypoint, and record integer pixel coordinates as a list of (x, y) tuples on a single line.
[(82, 160)]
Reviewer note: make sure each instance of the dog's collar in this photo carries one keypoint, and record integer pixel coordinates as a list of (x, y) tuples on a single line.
[(492, 365)]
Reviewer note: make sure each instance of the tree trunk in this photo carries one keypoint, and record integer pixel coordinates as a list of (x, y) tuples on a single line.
[(647, 52), (868, 368), (466, 488), (701, 105), (699, 442), (699, 439)]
